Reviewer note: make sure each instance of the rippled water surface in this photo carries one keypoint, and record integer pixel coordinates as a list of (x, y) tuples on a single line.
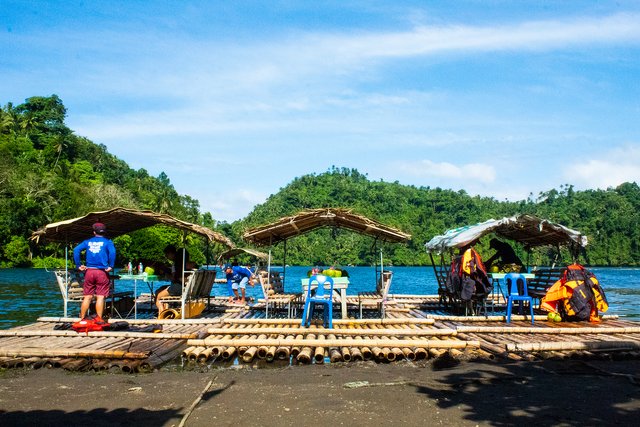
[(26, 294)]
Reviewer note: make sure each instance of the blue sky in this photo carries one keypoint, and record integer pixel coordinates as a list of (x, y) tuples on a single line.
[(235, 99)]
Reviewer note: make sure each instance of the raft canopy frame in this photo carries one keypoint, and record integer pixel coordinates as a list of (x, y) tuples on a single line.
[(528, 230), (312, 219), (234, 252), (120, 221)]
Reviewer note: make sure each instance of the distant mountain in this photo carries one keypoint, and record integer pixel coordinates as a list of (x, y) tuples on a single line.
[(610, 218)]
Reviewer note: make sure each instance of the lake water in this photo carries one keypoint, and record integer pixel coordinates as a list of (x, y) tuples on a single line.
[(26, 294)]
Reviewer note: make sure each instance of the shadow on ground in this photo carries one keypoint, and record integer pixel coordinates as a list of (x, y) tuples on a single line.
[(564, 392), (95, 418)]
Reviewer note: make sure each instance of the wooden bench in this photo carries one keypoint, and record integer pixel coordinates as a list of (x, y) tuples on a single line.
[(543, 279), (378, 299), (273, 293), (196, 289)]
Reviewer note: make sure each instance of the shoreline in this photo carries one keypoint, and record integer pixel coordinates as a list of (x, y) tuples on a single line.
[(441, 391)]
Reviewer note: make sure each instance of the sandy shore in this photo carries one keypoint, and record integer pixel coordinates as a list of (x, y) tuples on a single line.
[(359, 394)]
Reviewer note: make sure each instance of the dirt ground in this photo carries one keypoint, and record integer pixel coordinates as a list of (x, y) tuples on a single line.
[(443, 392)]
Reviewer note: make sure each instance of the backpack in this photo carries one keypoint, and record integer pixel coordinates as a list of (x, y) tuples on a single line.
[(577, 296), (467, 277)]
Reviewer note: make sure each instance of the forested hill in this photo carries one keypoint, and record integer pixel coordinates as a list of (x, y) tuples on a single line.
[(47, 174), (610, 218)]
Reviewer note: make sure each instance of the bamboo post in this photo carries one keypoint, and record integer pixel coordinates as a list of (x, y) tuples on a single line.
[(204, 355), (249, 353), (262, 349), (318, 354), (345, 353), (295, 350), (334, 354), (304, 356)]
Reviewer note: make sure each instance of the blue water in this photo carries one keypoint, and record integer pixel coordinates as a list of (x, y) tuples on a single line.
[(26, 294)]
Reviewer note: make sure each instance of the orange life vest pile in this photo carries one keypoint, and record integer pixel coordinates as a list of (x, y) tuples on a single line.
[(576, 296)]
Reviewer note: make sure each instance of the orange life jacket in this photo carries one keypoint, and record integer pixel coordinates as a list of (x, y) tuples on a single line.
[(576, 296)]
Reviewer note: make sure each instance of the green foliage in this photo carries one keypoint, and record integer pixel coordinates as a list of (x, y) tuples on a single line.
[(16, 253), (609, 218), (49, 174)]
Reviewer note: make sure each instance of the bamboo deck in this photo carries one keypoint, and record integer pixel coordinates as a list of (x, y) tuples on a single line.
[(414, 329)]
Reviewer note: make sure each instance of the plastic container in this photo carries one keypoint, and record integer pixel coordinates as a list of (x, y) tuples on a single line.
[(140, 269)]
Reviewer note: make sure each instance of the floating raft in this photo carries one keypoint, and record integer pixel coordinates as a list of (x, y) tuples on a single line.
[(413, 331)]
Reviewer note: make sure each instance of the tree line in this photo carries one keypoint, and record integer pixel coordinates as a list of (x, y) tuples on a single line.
[(47, 174)]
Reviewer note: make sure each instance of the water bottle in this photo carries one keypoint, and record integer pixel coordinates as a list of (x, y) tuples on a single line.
[(130, 268), (140, 269)]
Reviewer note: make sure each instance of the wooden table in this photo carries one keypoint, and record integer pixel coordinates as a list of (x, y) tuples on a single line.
[(340, 285)]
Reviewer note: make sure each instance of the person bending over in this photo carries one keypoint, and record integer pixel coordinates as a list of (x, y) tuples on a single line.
[(239, 277)]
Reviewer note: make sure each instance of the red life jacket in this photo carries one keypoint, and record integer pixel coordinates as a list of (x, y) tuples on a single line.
[(90, 325)]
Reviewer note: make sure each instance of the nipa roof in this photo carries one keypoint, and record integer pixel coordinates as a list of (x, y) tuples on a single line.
[(527, 229), (309, 220), (119, 221), (239, 251)]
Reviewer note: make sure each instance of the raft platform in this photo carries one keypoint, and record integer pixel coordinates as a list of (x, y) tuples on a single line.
[(414, 330)]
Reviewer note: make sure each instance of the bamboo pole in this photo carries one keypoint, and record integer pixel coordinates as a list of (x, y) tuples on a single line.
[(336, 322), (117, 334), (197, 321), (229, 352), (75, 364), (187, 351), (249, 354), (204, 355), (345, 353), (318, 354), (304, 356), (282, 352), (342, 332), (313, 342), (193, 356), (575, 345), (262, 348), (71, 352), (543, 330), (295, 350)]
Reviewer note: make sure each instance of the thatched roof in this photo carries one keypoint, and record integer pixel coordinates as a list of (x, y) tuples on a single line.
[(119, 221), (529, 230), (309, 220), (240, 251)]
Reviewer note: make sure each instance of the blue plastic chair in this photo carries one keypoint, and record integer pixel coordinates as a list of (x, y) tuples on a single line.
[(323, 297), (515, 294)]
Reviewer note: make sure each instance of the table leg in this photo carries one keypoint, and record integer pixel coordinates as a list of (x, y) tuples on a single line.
[(343, 302), (135, 299)]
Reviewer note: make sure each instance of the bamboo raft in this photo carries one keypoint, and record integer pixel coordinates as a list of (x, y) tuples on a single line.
[(413, 330)]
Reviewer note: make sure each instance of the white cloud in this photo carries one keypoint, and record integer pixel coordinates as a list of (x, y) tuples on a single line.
[(230, 205), (448, 171), (611, 169)]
